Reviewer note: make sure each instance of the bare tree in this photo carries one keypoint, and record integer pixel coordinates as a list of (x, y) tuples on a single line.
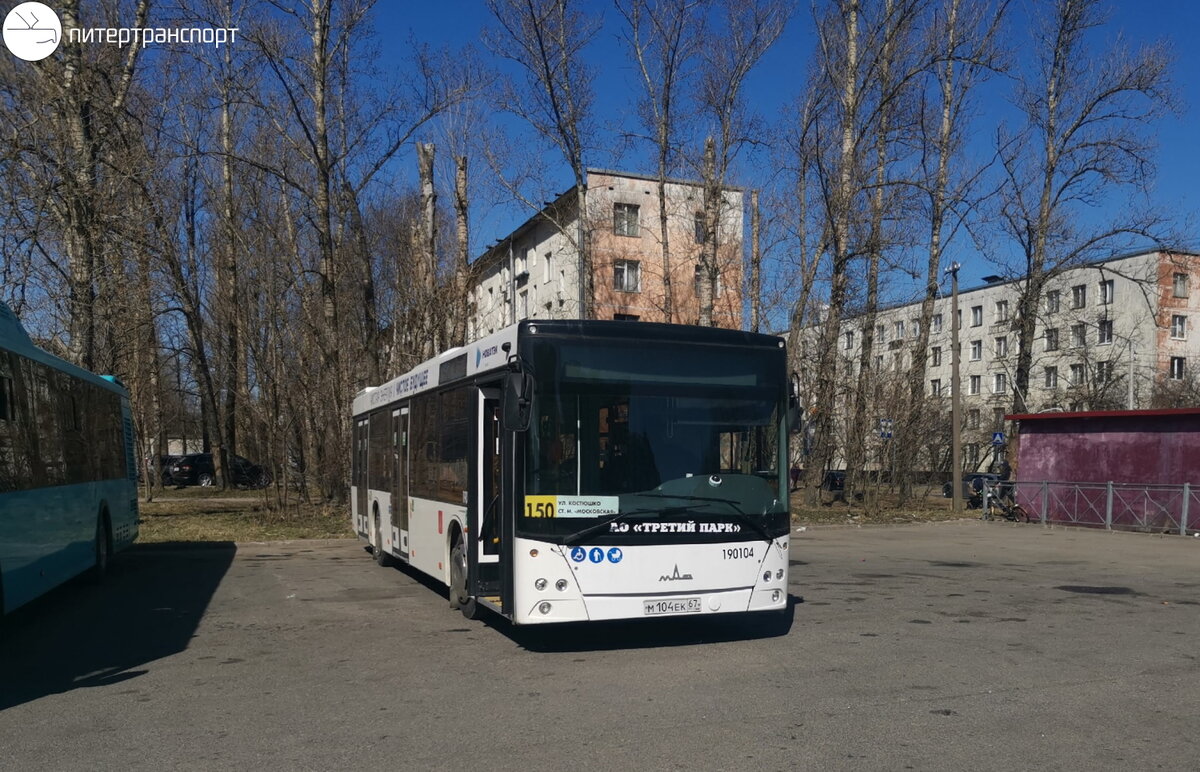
[(663, 38), (731, 50), (545, 39), (1085, 135)]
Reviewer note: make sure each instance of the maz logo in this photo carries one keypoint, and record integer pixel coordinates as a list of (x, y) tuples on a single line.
[(675, 576)]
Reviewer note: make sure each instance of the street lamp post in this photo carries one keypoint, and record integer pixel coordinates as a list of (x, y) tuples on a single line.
[(955, 396)]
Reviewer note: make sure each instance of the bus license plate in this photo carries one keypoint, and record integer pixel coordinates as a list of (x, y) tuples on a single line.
[(672, 606)]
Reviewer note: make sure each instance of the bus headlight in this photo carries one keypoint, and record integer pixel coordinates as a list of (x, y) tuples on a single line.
[(543, 608), (561, 585), (775, 596), (539, 585), (766, 576), (779, 574)]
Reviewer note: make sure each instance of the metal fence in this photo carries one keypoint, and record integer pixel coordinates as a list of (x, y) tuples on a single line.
[(1114, 506)]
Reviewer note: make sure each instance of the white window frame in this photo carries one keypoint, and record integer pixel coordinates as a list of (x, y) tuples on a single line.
[(1050, 336), (1108, 289), (1053, 301), (999, 383), (1002, 346), (1078, 374), (622, 271), (1051, 377), (976, 316), (1179, 285), (627, 219), (1079, 296), (973, 384), (1104, 332), (1001, 311), (1178, 327), (1177, 368), (976, 350)]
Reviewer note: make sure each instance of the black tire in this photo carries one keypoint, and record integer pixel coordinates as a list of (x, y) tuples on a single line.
[(1019, 512), (459, 598), (205, 480), (381, 556), (103, 548)]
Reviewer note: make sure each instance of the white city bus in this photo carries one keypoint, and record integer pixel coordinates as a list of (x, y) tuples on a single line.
[(563, 471)]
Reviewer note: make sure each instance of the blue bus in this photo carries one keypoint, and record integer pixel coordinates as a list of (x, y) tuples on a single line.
[(68, 481)]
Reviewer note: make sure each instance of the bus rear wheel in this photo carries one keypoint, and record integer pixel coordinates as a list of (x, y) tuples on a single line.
[(103, 548), (381, 557)]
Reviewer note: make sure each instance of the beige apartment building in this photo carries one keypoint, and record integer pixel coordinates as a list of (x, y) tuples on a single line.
[(533, 273), (1118, 333)]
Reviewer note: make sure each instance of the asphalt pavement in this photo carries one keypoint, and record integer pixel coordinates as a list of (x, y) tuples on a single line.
[(943, 646)]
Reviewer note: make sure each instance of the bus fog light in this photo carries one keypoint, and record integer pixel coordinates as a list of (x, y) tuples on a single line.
[(561, 585), (540, 585), (776, 595), (543, 608), (766, 576)]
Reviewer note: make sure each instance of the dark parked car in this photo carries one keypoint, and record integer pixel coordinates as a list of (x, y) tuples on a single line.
[(163, 469), (972, 486), (197, 469)]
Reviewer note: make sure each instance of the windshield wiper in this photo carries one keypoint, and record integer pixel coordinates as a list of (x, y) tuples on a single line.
[(600, 526)]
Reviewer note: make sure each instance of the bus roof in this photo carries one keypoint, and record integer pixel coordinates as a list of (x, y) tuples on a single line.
[(14, 338), (491, 354)]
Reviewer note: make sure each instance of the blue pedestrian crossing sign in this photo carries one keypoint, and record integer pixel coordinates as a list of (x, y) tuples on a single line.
[(997, 438)]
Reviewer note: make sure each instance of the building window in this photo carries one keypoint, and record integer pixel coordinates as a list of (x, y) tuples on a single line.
[(626, 317), (1178, 326), (1177, 365), (976, 350), (971, 454), (627, 276), (1105, 328), (1000, 383), (546, 267), (878, 362), (1051, 377), (935, 387), (880, 333), (1077, 375), (1104, 372), (625, 219), (1052, 339), (935, 356), (848, 340), (699, 227), (936, 325), (1052, 301), (1079, 296), (1002, 346), (915, 326), (1078, 334), (973, 418), (899, 330), (1179, 283), (976, 316), (523, 305), (1001, 311), (1106, 292), (998, 419), (973, 384)]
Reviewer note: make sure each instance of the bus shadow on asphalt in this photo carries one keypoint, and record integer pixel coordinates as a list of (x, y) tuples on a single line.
[(86, 634), (650, 633)]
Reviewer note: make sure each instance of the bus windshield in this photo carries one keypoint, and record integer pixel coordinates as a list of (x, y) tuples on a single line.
[(662, 433)]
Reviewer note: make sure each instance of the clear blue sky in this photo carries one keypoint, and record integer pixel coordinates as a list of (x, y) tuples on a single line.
[(780, 78)]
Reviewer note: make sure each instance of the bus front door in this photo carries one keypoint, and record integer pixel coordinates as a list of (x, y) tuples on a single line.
[(360, 477), (488, 541)]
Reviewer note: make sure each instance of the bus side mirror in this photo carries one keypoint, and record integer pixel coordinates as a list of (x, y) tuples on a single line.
[(518, 402), (793, 407)]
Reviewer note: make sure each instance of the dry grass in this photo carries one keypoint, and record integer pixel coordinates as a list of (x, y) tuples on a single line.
[(877, 507), (205, 514)]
